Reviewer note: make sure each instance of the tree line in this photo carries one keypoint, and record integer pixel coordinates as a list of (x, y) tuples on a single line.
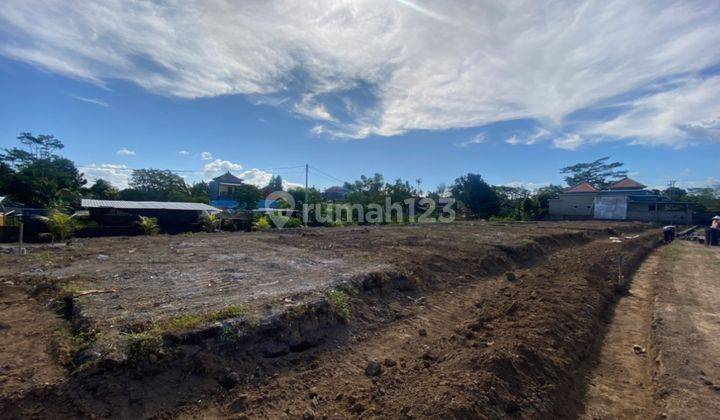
[(35, 175)]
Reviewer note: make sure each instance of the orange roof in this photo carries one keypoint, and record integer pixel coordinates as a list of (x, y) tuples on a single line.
[(581, 188), (626, 184)]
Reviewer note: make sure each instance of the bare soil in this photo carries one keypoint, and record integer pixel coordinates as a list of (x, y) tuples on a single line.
[(465, 320), (620, 384), (686, 331)]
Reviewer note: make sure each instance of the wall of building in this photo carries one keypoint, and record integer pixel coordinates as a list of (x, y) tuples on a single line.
[(572, 205)]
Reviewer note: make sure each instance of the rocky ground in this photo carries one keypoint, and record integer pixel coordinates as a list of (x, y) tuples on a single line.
[(462, 320)]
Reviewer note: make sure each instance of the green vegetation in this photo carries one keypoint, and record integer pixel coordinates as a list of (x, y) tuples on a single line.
[(142, 344), (340, 302), (149, 225), (599, 172), (60, 224), (210, 222), (262, 223)]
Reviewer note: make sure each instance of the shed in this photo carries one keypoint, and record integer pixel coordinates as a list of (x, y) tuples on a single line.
[(172, 216)]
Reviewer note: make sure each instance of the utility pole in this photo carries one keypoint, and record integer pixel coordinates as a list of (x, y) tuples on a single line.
[(307, 167)]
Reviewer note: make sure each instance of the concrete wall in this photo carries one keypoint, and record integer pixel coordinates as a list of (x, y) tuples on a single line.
[(573, 205), (643, 212)]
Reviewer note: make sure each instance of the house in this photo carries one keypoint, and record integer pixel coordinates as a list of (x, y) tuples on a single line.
[(172, 216), (625, 199), (223, 189), (9, 212)]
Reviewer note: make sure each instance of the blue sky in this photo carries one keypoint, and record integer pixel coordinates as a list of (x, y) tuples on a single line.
[(424, 89)]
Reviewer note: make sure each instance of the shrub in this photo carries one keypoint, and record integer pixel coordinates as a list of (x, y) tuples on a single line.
[(61, 225), (340, 302), (210, 222), (262, 223), (149, 225)]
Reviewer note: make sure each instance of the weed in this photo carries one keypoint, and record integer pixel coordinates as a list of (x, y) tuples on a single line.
[(142, 344), (340, 302), (228, 312), (179, 323), (254, 322)]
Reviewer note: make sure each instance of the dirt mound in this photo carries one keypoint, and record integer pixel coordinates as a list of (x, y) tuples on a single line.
[(460, 321)]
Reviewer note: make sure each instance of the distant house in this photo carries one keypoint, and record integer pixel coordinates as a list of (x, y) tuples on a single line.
[(9, 212), (626, 199), (223, 190)]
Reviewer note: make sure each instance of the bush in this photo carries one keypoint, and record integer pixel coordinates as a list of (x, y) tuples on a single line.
[(61, 225), (262, 223), (149, 225), (210, 222)]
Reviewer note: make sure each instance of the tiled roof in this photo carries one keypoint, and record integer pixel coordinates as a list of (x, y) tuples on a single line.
[(626, 184), (582, 187)]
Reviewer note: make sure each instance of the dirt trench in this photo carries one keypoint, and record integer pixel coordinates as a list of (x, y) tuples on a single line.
[(466, 339), (505, 346)]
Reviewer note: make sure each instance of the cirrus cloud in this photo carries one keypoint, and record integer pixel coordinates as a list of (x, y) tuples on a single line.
[(374, 67)]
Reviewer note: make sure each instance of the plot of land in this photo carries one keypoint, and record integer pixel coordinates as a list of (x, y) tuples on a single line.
[(492, 317)]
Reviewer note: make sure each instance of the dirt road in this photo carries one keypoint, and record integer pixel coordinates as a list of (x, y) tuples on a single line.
[(687, 331), (660, 356)]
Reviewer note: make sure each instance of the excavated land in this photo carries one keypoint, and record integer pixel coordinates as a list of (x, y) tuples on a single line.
[(471, 319)]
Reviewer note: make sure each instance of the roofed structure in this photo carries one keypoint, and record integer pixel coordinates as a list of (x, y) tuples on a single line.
[(583, 187), (144, 205), (626, 184), (228, 178)]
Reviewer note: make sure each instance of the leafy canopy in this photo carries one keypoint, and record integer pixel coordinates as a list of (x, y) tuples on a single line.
[(600, 173)]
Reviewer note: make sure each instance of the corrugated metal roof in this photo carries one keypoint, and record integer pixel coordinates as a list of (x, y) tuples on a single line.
[(1, 199), (144, 205)]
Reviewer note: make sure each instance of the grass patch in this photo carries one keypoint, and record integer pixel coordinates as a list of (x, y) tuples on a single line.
[(340, 302), (226, 313), (142, 344)]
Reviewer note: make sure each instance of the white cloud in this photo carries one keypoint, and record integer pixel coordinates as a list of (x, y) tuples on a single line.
[(568, 142), (125, 152), (476, 139), (402, 65), (254, 176), (183, 153), (219, 167), (117, 175), (206, 156), (539, 135), (94, 101)]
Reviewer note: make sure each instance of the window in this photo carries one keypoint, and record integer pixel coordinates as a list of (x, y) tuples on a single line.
[(651, 207)]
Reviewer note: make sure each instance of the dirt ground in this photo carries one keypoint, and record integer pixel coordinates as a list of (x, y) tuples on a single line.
[(462, 320), (686, 331), (659, 357)]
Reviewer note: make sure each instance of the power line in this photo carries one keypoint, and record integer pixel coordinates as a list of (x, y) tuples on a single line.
[(327, 175)]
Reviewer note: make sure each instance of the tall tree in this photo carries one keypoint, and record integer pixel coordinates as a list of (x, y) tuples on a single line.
[(275, 184), (156, 184), (248, 196), (102, 190), (478, 196), (600, 173), (35, 175)]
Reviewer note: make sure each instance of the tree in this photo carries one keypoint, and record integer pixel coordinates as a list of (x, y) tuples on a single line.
[(675, 193), (478, 196), (512, 199), (36, 175), (41, 146), (543, 196), (200, 192), (102, 190), (599, 173), (248, 196), (275, 184), (156, 184), (366, 190), (6, 174)]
